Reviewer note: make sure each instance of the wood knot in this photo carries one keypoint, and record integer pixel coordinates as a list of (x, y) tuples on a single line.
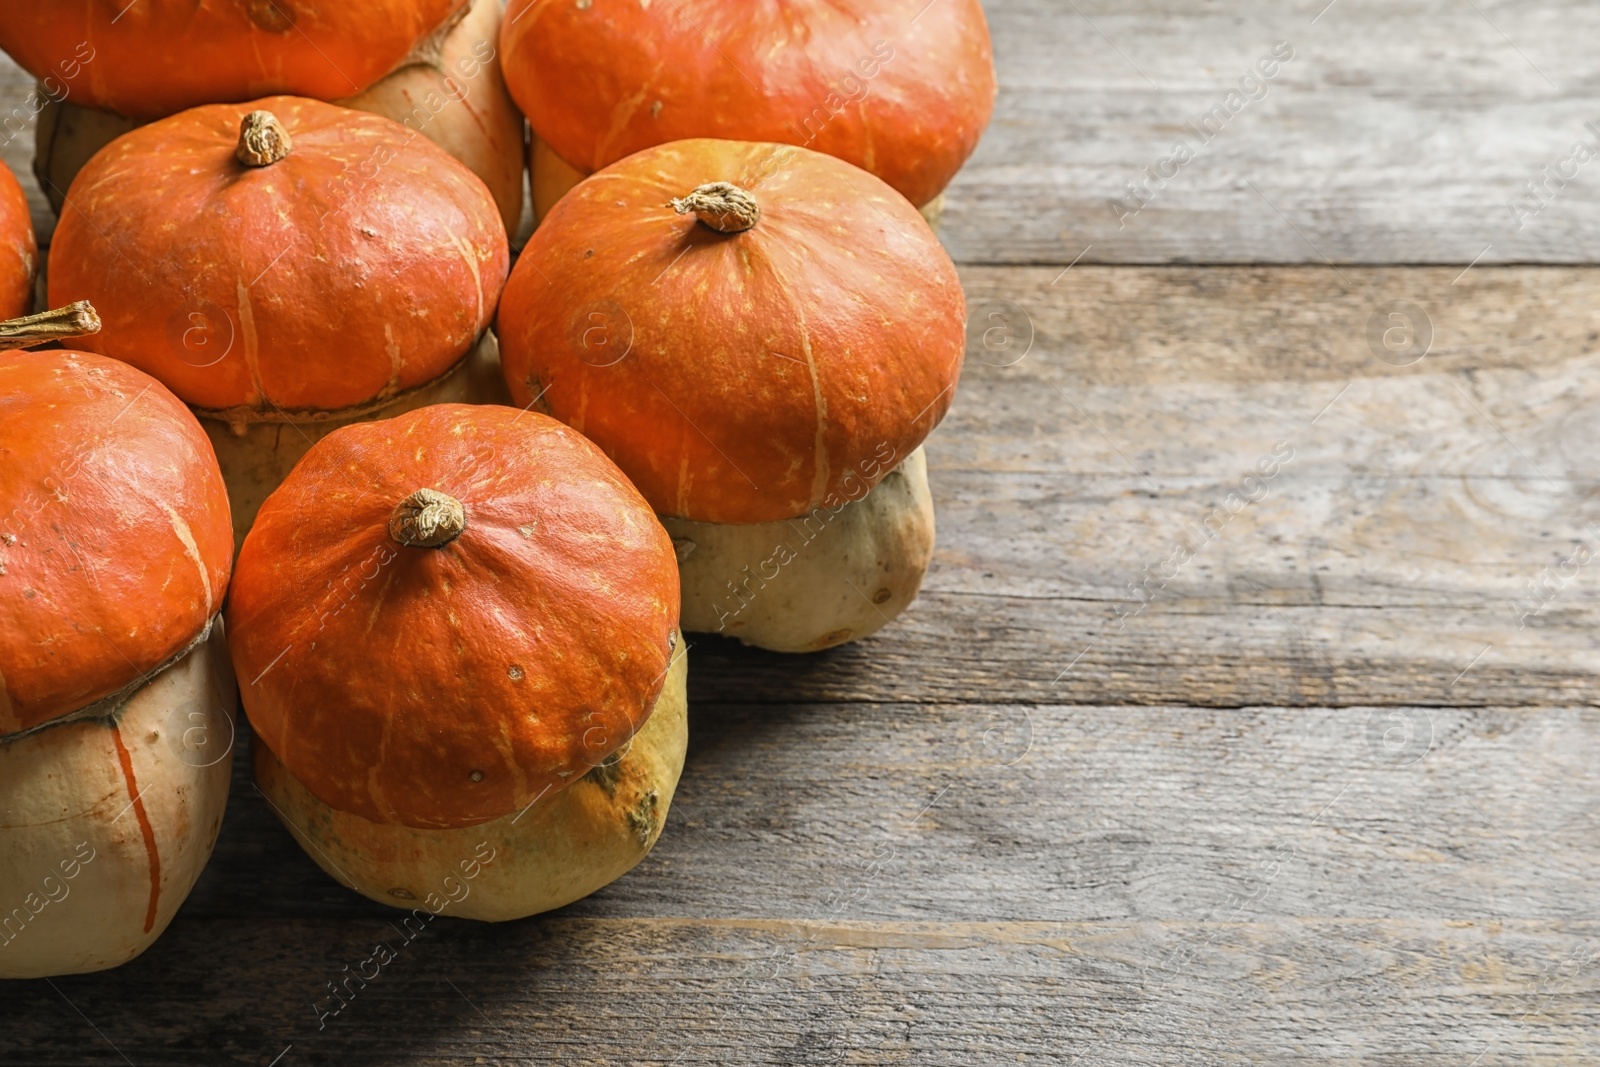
[(723, 206), (427, 519), (262, 140)]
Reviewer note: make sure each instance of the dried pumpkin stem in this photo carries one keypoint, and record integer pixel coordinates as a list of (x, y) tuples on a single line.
[(427, 519), (723, 206), (74, 320), (262, 140)]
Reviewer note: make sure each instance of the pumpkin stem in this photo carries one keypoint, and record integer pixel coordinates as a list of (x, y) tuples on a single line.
[(262, 140), (427, 519), (723, 206), (74, 320)]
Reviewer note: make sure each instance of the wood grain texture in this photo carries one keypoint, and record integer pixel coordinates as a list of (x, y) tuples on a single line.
[(1388, 562), (969, 813), (1330, 797), (935, 773), (824, 992), (1395, 134), (876, 883)]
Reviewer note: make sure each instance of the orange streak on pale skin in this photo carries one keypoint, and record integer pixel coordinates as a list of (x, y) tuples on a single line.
[(144, 827)]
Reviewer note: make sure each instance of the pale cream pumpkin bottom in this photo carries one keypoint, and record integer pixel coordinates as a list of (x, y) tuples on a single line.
[(560, 849), (551, 177), (256, 457), (815, 581), (105, 824)]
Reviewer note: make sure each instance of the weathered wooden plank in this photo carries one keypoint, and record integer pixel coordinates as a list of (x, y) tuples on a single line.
[(1423, 544), (1396, 133), (940, 845), (751, 991), (1019, 812)]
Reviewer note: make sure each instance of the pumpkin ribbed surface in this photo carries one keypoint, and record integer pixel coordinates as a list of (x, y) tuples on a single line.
[(115, 543), (445, 657), (902, 89), (743, 376), (364, 262), (154, 57)]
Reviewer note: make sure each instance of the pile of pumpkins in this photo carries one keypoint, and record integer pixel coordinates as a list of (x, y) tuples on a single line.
[(304, 438)]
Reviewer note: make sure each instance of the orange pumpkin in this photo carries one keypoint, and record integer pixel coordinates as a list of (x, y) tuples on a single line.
[(321, 259), (155, 57), (441, 617), (902, 88), (116, 696), (19, 255), (459, 102), (449, 89), (115, 544), (738, 377)]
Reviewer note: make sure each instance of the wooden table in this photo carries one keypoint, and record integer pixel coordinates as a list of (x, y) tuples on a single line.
[(1173, 762)]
